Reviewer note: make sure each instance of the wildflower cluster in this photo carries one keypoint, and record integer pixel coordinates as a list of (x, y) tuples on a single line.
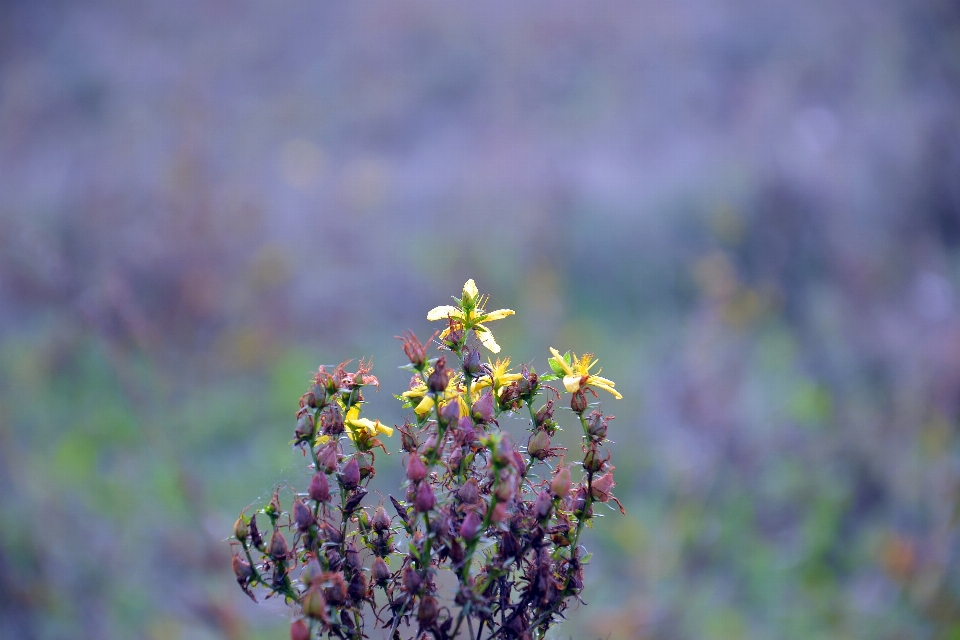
[(502, 521)]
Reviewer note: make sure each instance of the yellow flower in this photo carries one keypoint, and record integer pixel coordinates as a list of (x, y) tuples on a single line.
[(427, 401), (355, 423), (471, 315), (576, 374), (499, 377)]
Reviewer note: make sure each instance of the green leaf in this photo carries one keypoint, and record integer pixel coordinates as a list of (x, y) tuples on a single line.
[(548, 377), (555, 366)]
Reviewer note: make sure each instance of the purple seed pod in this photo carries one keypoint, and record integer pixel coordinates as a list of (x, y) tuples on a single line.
[(470, 526), (543, 505), (319, 488), (424, 499), (380, 571), (278, 546), (415, 469), (469, 493), (350, 476), (560, 485), (302, 516), (483, 408)]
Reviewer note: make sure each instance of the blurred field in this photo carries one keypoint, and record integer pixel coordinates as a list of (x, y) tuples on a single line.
[(750, 211)]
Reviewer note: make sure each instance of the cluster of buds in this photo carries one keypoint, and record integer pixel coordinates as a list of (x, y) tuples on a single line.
[(504, 520)]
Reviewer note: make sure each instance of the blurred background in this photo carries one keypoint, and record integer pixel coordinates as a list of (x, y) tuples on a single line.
[(748, 209)]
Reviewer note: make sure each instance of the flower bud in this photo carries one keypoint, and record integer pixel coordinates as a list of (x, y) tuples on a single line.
[(539, 445), (437, 381), (350, 476), (560, 485), (471, 362), (313, 604), (424, 499), (380, 571), (278, 546), (299, 630), (240, 528), (469, 493), (483, 408), (327, 458), (428, 612), (411, 580), (470, 526), (543, 505), (319, 488), (415, 469), (544, 414), (302, 516), (381, 521)]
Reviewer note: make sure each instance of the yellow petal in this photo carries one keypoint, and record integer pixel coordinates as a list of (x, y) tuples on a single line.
[(487, 339), (353, 413), (321, 440), (499, 314), (470, 290), (424, 407), (416, 392), (597, 380), (605, 387), (384, 429), (561, 361), (572, 383), (443, 312)]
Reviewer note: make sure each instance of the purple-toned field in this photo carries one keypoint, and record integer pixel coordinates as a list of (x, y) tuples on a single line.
[(748, 210)]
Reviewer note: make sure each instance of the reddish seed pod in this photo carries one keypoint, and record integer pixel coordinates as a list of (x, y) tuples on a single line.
[(415, 469), (560, 485), (306, 428), (469, 493), (424, 499), (312, 573), (350, 476), (242, 569), (483, 408), (539, 445), (319, 488), (299, 630), (327, 458), (543, 505), (358, 587), (457, 553), (381, 521), (450, 412), (437, 382), (578, 402), (380, 571), (278, 545), (302, 516), (240, 528), (428, 612), (600, 489), (337, 591), (593, 461), (411, 580), (313, 604), (467, 432), (470, 526)]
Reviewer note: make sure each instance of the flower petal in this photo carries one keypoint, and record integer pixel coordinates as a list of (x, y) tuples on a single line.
[(470, 290), (572, 383), (591, 381), (487, 339), (499, 314), (424, 407), (443, 312)]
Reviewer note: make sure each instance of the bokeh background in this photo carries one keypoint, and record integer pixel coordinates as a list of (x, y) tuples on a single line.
[(748, 209)]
